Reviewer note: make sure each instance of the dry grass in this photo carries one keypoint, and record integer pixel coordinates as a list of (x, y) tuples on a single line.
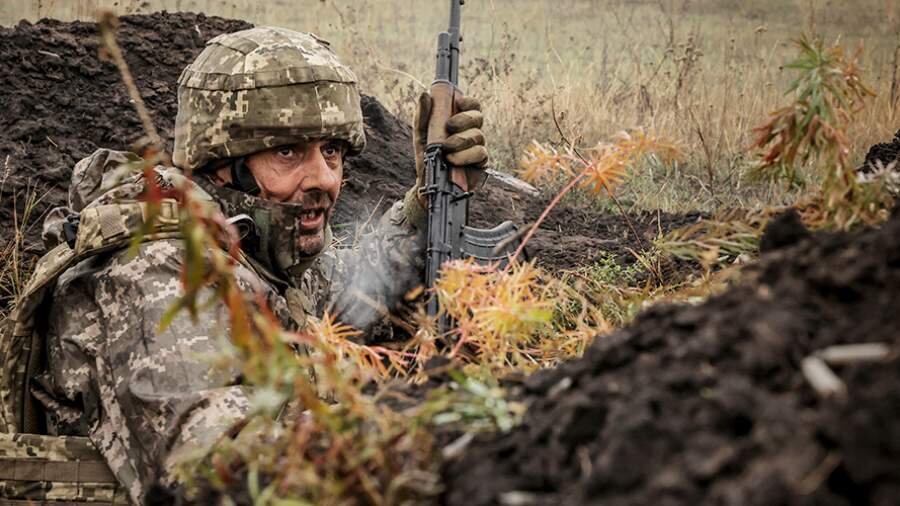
[(700, 72), (14, 268)]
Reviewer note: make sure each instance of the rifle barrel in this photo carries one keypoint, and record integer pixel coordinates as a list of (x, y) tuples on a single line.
[(444, 64), (455, 38)]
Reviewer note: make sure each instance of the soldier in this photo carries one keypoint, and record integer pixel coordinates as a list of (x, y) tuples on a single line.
[(266, 118)]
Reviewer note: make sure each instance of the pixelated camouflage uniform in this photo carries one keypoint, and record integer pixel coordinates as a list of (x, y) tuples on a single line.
[(37, 469), (144, 397)]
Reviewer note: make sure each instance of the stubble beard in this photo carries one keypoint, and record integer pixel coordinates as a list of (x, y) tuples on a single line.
[(312, 242)]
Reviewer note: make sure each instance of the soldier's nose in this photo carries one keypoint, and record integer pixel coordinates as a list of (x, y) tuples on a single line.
[(319, 175)]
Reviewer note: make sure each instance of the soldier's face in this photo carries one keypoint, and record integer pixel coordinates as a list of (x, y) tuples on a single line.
[(308, 174)]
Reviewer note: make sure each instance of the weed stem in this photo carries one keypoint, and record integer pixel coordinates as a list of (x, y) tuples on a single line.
[(107, 22), (575, 180)]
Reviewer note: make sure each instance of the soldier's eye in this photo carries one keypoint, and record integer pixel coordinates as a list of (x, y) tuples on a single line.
[(286, 152), (332, 150)]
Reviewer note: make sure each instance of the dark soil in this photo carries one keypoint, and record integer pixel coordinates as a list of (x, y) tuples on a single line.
[(707, 404), (60, 102)]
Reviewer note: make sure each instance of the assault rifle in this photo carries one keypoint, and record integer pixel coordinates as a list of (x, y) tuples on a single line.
[(446, 187)]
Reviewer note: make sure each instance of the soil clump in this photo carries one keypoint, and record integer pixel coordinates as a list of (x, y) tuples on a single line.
[(708, 405), (61, 102)]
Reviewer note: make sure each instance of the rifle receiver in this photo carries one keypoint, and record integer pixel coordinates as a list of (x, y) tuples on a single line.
[(446, 187)]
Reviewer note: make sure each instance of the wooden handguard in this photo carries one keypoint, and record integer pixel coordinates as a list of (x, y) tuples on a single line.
[(441, 110), (442, 107)]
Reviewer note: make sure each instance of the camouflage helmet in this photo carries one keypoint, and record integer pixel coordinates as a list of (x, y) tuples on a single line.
[(260, 88)]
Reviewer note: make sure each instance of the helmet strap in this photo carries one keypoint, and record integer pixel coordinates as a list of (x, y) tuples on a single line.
[(242, 179)]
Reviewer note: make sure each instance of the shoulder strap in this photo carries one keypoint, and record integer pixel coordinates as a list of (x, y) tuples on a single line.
[(55, 470), (101, 229)]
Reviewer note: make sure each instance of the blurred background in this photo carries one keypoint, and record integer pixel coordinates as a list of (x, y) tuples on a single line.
[(701, 72)]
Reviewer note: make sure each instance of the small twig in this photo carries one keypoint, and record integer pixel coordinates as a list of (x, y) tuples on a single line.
[(895, 64), (640, 240), (609, 192), (518, 498), (456, 448), (511, 239), (51, 55), (5, 174), (710, 173), (361, 228), (855, 353), (407, 75), (822, 379), (16, 281), (814, 480), (577, 179)]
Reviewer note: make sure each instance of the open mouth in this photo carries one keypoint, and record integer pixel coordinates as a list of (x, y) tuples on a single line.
[(312, 219)]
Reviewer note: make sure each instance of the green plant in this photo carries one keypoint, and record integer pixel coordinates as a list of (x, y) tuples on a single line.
[(826, 96), (716, 241), (811, 132), (605, 167), (471, 404), (505, 317)]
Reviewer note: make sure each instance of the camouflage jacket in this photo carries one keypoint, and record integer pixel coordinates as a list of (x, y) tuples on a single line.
[(143, 396)]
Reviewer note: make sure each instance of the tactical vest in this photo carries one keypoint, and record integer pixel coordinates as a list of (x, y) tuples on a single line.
[(51, 470)]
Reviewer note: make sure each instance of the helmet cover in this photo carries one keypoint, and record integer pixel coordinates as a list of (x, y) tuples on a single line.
[(260, 88)]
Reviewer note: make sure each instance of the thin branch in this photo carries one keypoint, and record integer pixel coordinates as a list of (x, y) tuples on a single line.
[(628, 221), (107, 23), (577, 179)]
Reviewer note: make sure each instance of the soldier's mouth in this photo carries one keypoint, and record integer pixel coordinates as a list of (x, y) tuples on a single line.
[(312, 219)]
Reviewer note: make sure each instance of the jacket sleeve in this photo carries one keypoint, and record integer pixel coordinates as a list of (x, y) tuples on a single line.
[(143, 396), (360, 285)]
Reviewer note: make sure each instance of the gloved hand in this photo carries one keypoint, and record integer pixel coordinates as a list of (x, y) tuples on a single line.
[(465, 145)]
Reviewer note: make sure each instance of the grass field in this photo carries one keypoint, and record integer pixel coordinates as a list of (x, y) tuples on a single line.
[(700, 72)]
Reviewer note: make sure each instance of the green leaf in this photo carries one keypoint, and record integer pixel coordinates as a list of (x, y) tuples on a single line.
[(253, 480), (170, 314)]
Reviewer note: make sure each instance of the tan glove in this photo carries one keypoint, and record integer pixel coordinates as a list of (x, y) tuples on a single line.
[(465, 145)]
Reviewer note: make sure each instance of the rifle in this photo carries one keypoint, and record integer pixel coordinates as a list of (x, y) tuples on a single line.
[(449, 234)]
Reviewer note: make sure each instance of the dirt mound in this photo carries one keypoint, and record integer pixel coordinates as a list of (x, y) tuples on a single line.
[(61, 102), (708, 405), (574, 236)]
